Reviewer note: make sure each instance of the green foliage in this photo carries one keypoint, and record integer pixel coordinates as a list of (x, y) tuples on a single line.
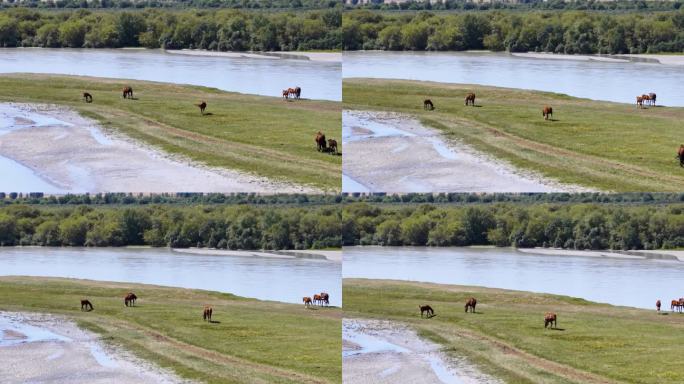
[(221, 30), (570, 32)]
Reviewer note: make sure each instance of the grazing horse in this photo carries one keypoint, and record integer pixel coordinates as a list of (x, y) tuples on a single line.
[(652, 97), (86, 305), (307, 301), (427, 310), (297, 92), (470, 304), (127, 92), (550, 319), (332, 146), (470, 99), (547, 112), (317, 299), (202, 106), (320, 142), (325, 298), (129, 299), (640, 101), (427, 105), (87, 97), (658, 305), (680, 155), (208, 311), (286, 94)]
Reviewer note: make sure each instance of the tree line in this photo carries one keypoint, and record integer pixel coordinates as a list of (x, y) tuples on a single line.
[(438, 5), (571, 226), (247, 227), (215, 30), (568, 32), (123, 4)]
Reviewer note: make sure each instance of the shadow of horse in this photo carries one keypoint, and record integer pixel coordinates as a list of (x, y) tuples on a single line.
[(207, 114), (430, 316), (556, 329), (553, 119), (477, 106), (214, 322)]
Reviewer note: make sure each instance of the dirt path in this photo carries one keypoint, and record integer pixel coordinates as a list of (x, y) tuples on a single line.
[(385, 352), (388, 152), (74, 154), (47, 348)]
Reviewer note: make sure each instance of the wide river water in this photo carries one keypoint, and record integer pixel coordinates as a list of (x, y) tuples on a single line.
[(628, 282), (612, 80), (265, 278), (318, 79)]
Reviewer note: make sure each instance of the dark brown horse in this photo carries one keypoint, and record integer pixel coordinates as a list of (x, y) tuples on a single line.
[(640, 101), (325, 298), (680, 155), (470, 304), (86, 305), (129, 299), (652, 97), (427, 105), (286, 94), (208, 311), (547, 112), (202, 106), (332, 146), (550, 319), (297, 92), (658, 305), (87, 97), (127, 92), (307, 301), (427, 310), (317, 299), (320, 142), (470, 99)]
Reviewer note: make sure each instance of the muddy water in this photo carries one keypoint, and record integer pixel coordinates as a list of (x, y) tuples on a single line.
[(318, 80)]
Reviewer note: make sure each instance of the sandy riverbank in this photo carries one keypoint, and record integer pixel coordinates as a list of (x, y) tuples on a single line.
[(40, 348), (377, 351), (394, 153), (334, 57), (614, 254), (662, 59), (284, 254), (76, 155), (560, 56)]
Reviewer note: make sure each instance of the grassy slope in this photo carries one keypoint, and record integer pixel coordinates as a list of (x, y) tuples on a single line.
[(608, 146), (598, 344), (266, 136), (255, 341)]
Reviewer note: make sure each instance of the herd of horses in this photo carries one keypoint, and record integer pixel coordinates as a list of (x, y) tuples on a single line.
[(295, 92), (648, 99), (550, 318), (322, 145), (129, 301), (676, 305), (127, 93), (547, 112), (320, 299)]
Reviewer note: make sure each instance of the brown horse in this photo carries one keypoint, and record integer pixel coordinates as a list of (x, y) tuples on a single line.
[(87, 97), (652, 97), (427, 310), (676, 305), (129, 299), (307, 301), (286, 94), (202, 106), (645, 99), (470, 304), (332, 146), (127, 92), (427, 105), (640, 101), (320, 142), (547, 112), (680, 155), (550, 319), (291, 92), (208, 311), (325, 298), (86, 305), (470, 99), (297, 92), (317, 299), (658, 305)]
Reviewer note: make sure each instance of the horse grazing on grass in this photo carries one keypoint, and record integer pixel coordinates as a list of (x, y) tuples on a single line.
[(427, 310), (86, 305), (332, 146), (129, 299), (208, 311), (320, 142), (640, 101), (470, 304), (202, 106), (307, 301), (652, 97), (325, 298), (550, 319), (680, 155), (127, 92), (87, 97), (470, 99), (658, 305), (427, 105), (286, 94), (547, 112), (297, 92)]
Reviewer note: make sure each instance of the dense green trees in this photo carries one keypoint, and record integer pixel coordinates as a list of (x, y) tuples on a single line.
[(570, 32), (216, 226), (222, 30), (559, 225)]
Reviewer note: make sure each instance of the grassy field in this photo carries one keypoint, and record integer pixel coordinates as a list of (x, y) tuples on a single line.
[(602, 145), (594, 343), (251, 342), (266, 136)]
